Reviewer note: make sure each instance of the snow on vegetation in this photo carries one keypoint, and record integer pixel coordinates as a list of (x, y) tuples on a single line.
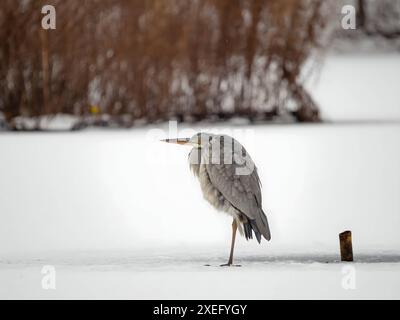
[(347, 87)]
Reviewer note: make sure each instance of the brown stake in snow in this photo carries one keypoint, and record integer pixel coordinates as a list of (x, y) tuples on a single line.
[(346, 247)]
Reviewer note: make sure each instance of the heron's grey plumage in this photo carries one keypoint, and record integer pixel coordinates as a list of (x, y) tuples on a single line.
[(229, 181)]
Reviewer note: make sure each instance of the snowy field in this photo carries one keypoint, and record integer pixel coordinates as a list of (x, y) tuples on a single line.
[(119, 215), (358, 87), (179, 275)]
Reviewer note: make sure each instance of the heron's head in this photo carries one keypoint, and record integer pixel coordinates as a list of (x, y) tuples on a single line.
[(199, 140)]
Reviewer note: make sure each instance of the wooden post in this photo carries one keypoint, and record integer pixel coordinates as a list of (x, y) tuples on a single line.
[(346, 247)]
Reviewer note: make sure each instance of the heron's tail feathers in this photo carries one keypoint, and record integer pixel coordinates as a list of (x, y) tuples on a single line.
[(263, 226), (259, 226)]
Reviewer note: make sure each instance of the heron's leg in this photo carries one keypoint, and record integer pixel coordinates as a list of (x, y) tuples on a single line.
[(234, 229)]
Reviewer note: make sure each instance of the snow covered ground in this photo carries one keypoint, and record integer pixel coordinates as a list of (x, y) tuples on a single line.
[(183, 275), (358, 87), (119, 215)]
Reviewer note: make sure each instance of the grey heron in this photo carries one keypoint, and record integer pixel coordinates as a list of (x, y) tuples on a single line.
[(229, 181)]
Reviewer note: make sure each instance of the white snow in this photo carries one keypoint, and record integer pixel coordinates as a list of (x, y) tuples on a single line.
[(358, 87), (183, 275), (100, 192), (126, 189), (55, 122), (119, 215)]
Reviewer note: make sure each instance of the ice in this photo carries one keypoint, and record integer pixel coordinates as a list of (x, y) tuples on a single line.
[(127, 190), (185, 275), (358, 87), (119, 215)]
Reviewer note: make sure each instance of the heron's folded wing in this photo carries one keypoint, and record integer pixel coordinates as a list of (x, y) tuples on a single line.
[(242, 191)]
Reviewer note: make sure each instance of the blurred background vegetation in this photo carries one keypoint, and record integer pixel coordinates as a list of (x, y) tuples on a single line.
[(124, 62)]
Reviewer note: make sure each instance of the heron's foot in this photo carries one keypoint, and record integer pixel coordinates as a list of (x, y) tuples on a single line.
[(230, 265)]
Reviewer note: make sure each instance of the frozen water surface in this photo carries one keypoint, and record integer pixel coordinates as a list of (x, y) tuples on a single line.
[(107, 207), (119, 215), (176, 275)]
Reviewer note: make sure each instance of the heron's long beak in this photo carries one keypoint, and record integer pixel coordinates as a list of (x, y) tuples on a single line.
[(181, 141)]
